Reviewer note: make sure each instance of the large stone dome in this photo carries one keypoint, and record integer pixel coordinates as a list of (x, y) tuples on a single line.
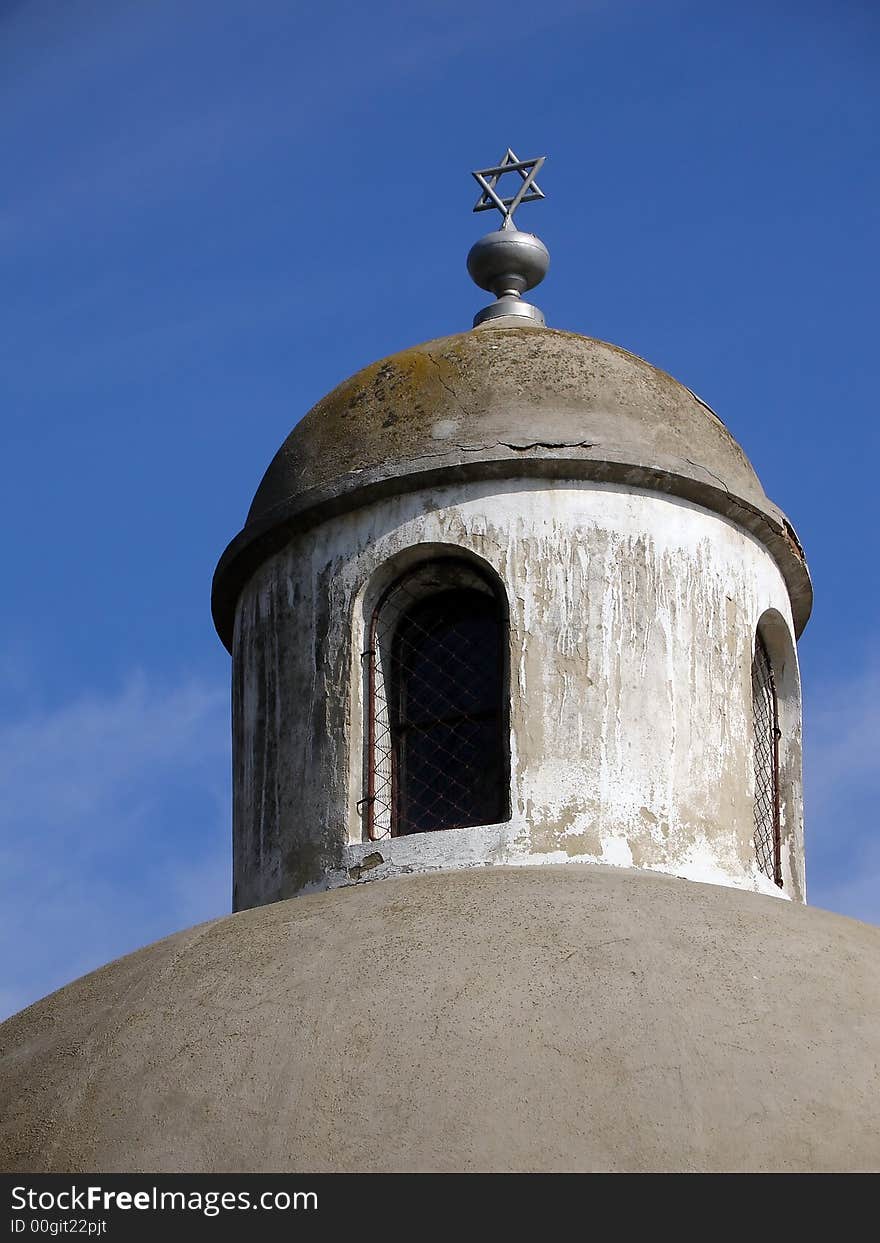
[(499, 402), (559, 1018)]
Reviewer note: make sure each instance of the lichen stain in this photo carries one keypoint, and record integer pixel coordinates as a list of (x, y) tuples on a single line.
[(305, 863)]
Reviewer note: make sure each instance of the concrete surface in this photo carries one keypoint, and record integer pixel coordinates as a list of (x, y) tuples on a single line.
[(632, 620), (495, 403), (559, 1018)]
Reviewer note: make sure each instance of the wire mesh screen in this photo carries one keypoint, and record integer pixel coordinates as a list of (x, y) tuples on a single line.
[(436, 746), (766, 760)]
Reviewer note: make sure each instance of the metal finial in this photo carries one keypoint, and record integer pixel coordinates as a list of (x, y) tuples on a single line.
[(508, 262), (487, 179)]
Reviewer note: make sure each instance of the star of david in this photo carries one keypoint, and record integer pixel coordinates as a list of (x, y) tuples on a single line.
[(487, 179)]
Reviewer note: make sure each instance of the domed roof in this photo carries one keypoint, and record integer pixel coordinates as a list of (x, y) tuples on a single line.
[(557, 1018), (499, 402)]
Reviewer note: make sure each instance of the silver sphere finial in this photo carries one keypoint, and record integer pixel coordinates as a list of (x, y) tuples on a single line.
[(506, 261)]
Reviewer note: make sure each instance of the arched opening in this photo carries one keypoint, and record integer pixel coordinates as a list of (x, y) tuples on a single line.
[(437, 736), (766, 736)]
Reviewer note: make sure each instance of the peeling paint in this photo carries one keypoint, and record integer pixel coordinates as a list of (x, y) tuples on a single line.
[(632, 619)]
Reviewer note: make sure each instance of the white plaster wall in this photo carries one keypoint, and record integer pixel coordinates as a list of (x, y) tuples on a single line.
[(632, 620)]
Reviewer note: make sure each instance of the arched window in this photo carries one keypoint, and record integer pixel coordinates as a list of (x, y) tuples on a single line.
[(437, 733), (765, 721)]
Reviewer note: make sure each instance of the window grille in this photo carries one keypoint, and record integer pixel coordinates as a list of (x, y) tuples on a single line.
[(765, 719), (437, 754)]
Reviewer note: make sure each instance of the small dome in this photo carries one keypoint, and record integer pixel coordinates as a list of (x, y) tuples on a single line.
[(558, 1018), (499, 402)]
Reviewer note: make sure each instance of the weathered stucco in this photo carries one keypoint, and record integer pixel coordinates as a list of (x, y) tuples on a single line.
[(632, 626), (559, 1018), (502, 403)]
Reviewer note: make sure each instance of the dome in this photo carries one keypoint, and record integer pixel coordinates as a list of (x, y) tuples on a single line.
[(559, 1018), (502, 402)]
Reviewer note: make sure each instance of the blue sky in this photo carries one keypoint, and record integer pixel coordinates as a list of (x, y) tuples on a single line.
[(215, 210)]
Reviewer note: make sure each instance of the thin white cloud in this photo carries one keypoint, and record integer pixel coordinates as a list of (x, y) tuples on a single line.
[(842, 782), (179, 130), (114, 829), (858, 894), (115, 811)]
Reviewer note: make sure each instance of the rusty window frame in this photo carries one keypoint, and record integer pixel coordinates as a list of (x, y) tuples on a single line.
[(383, 806), (765, 755)]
